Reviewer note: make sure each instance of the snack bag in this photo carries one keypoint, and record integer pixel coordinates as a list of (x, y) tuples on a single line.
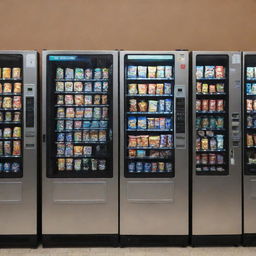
[(141, 153), (104, 113), (60, 125), (159, 89), (88, 73), (78, 87), (253, 90), (69, 164), (152, 105), (7, 102), (142, 122), (69, 99), (167, 88), (97, 73), (98, 86), (147, 167), (60, 99), (59, 86), (88, 113), (87, 150), (154, 141), (77, 136), (15, 167), (102, 165), (61, 164), (131, 167), (94, 136), (143, 106), (163, 141), (152, 89), (60, 137), (69, 73), (220, 105), (157, 123), (104, 99), (154, 153), (139, 167), (68, 86), (132, 72), (59, 73), (79, 100), (205, 88), (198, 87), (132, 152), (249, 140), (7, 133), (132, 141), (220, 87), (212, 105), (79, 73), (70, 113), (161, 123), (160, 71), (168, 167), (102, 135), (105, 73), (161, 106), (77, 124), (219, 72), (17, 102), (151, 72), (161, 166), (1, 88), (132, 122), (154, 167), (132, 89), (95, 124), (16, 132), (204, 144), (142, 71), (205, 105), (79, 113), (88, 87), (103, 124), (94, 164), (151, 123), (249, 72), (220, 141), (8, 116), (142, 89), (96, 99), (7, 87), (139, 141), (78, 150), (168, 71), (6, 73), (133, 105), (212, 88), (209, 72), (105, 87), (168, 105), (144, 140), (86, 136), (16, 148), (69, 125), (213, 144), (87, 100), (199, 72)]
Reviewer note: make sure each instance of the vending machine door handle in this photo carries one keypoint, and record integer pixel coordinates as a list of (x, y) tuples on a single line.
[(232, 157)]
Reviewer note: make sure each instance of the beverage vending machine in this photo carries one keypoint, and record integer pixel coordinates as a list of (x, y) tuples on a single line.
[(18, 148), (154, 148), (80, 148), (216, 153), (249, 146)]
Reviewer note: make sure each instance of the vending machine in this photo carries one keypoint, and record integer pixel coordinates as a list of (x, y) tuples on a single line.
[(80, 148), (154, 148), (216, 153), (18, 149), (249, 146)]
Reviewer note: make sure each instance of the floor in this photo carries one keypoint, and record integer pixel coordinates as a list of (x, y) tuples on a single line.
[(213, 251)]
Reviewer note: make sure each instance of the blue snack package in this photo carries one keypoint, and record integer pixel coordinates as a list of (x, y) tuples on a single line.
[(86, 124), (15, 167), (7, 167), (132, 122), (139, 167), (248, 88), (168, 123), (147, 167), (95, 124), (1, 167), (132, 72), (131, 167), (60, 136), (168, 105), (69, 136), (103, 124)]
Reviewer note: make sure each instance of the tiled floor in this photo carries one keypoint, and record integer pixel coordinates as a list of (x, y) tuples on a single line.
[(213, 251)]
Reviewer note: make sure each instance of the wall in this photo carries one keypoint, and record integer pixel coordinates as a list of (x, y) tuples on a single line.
[(128, 24)]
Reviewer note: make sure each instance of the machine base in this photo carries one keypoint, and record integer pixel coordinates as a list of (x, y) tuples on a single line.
[(50, 241), (249, 239), (18, 241), (153, 240), (216, 240)]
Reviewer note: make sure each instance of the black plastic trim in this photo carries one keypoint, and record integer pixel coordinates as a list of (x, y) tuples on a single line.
[(54, 241), (153, 240), (249, 239), (18, 241), (216, 240)]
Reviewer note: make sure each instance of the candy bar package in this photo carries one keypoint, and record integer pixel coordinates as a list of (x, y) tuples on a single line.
[(59, 73), (160, 89), (88, 87), (152, 105), (199, 72), (78, 86), (59, 86), (97, 73), (132, 89), (168, 71), (68, 86), (88, 73), (142, 88), (132, 72), (142, 122), (7, 87), (98, 86), (160, 71), (152, 89), (142, 106), (209, 72), (132, 122), (79, 73), (69, 73), (151, 72), (142, 71), (249, 72)]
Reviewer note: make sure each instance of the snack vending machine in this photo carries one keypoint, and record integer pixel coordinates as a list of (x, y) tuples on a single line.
[(18, 148), (154, 148), (249, 146), (80, 148), (216, 154)]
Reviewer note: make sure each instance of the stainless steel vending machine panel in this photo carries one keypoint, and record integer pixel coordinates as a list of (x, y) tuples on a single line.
[(18, 148), (80, 148), (216, 159), (249, 145), (154, 148)]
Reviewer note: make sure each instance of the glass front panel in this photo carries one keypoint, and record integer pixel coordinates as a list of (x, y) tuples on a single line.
[(148, 100), (79, 115), (212, 123), (11, 115)]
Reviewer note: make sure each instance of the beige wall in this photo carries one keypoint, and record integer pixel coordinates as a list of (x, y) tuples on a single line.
[(128, 24)]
